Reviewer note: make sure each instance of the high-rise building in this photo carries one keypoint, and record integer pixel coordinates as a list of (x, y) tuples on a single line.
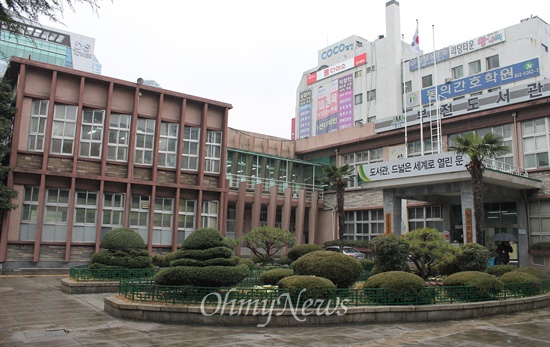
[(48, 45)]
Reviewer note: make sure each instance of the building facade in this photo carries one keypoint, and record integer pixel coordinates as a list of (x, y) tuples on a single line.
[(48, 45)]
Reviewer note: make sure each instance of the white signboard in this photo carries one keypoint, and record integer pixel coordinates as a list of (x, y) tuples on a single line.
[(415, 166)]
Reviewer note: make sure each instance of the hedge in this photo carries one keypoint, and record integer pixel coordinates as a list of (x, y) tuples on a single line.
[(339, 268)]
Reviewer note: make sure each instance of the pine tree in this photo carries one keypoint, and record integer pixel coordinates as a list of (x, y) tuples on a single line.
[(7, 113)]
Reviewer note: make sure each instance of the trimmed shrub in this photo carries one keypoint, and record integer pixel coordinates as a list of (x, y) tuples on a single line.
[(399, 288), (299, 250), (122, 239), (285, 260), (233, 261), (230, 243), (249, 262), (208, 276), (306, 287), (473, 257), (121, 259), (390, 253), (341, 269), (367, 264), (258, 260), (485, 286), (543, 275), (271, 277), (203, 238), (499, 270), (527, 284), (447, 267), (203, 254)]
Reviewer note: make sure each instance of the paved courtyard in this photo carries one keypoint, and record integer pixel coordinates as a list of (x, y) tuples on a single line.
[(35, 312)]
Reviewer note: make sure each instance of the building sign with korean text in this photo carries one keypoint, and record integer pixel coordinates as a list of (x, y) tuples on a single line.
[(416, 166), (494, 99), (304, 118), (361, 59)]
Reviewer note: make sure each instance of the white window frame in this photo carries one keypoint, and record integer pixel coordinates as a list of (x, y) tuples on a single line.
[(358, 99), (187, 221), (85, 216), (191, 148), (29, 214), (162, 221), (145, 141), (91, 135), (474, 67), (371, 95), (355, 159), (112, 212), (364, 225), (431, 217), (213, 149), (64, 129), (37, 126), (56, 214), (209, 214), (168, 144), (139, 211), (492, 62), (536, 143), (427, 81), (119, 137), (458, 72)]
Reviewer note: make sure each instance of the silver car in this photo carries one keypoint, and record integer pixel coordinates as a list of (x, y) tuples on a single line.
[(347, 251)]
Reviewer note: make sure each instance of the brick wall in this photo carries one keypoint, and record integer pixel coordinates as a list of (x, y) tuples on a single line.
[(29, 161)]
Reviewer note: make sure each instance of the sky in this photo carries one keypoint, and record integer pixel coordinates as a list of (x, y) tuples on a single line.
[(252, 53)]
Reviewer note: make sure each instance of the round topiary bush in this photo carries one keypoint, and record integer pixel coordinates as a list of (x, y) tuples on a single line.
[(273, 276), (300, 250), (306, 287), (205, 276), (285, 260), (341, 269), (122, 239), (499, 270), (473, 257), (399, 288), (483, 286), (521, 283), (543, 275), (249, 262), (367, 264), (204, 238)]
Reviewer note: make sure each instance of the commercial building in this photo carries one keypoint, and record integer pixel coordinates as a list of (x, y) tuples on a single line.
[(48, 45)]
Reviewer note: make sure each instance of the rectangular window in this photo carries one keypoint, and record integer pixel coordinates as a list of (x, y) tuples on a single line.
[(139, 215), (29, 214), (492, 62), (91, 135), (145, 143), (360, 158), (535, 143), (408, 87), (213, 151), (64, 125), (119, 136), (358, 99), (425, 217), (190, 153), (186, 218), (168, 144), (209, 216), (55, 217), (474, 67), (539, 220), (162, 221), (85, 216), (37, 128), (231, 225), (358, 73), (364, 225), (458, 72), (371, 95), (427, 81), (414, 148), (113, 212)]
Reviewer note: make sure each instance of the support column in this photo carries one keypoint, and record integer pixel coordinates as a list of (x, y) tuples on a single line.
[(392, 212), (467, 209), (523, 240)]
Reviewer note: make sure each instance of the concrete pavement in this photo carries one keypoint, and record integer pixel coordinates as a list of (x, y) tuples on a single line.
[(35, 312)]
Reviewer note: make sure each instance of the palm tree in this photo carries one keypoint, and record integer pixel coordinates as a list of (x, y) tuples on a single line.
[(477, 148), (338, 177)]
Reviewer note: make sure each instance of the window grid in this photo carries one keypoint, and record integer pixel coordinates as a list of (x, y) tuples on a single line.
[(29, 214), (113, 209), (360, 158), (162, 221), (37, 128), (55, 220), (474, 67), (139, 215), (63, 133), (371, 95), (535, 143), (364, 225), (209, 215), (358, 99), (539, 221), (145, 143), (186, 218), (119, 136), (85, 220), (190, 153), (425, 217), (168, 144), (213, 151), (91, 135)]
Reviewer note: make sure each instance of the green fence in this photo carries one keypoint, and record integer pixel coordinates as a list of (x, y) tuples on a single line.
[(148, 291), (83, 274)]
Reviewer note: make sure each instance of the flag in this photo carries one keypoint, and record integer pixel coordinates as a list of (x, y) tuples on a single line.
[(415, 42)]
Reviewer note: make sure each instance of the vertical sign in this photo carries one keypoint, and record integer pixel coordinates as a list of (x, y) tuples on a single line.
[(304, 120), (388, 222), (468, 214), (345, 102)]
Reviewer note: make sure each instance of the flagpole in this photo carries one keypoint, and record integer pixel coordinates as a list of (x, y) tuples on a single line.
[(420, 95), (437, 118), (404, 97)]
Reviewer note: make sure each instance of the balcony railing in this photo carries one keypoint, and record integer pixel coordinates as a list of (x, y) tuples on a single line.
[(504, 167), (251, 182)]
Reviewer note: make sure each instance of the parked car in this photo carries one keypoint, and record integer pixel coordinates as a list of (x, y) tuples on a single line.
[(348, 251)]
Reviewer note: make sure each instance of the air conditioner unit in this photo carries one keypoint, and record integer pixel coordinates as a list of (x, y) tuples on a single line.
[(448, 80)]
